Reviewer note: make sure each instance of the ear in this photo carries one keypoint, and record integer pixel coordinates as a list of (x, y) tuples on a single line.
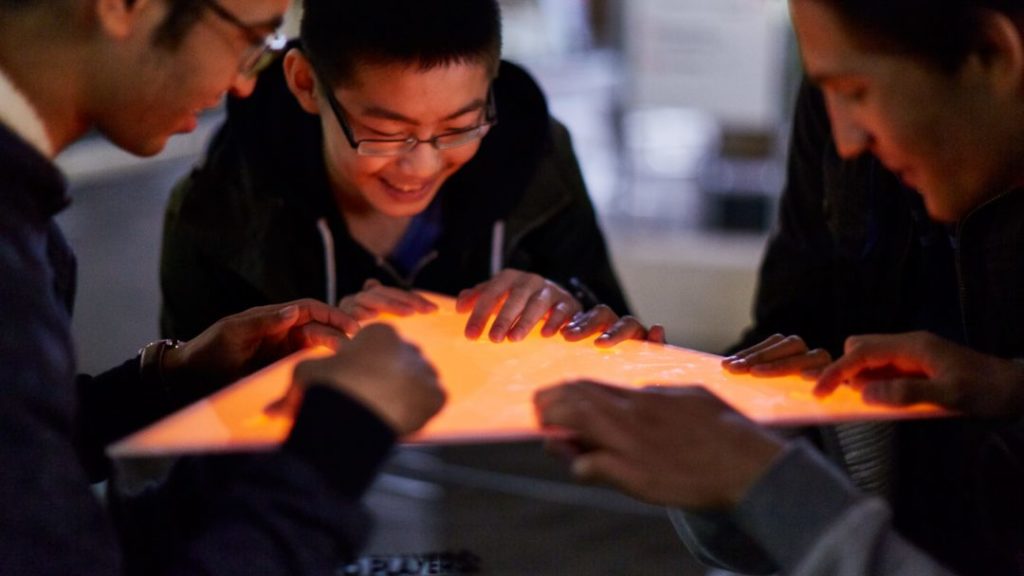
[(118, 17), (298, 72), (1001, 54)]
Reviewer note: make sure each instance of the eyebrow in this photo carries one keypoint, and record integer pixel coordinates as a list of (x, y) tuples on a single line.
[(384, 113)]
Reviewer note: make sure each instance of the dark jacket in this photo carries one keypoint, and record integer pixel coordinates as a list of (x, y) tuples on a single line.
[(855, 253), (242, 229), (293, 511)]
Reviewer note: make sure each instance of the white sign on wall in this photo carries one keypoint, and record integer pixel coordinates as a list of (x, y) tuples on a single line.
[(725, 57)]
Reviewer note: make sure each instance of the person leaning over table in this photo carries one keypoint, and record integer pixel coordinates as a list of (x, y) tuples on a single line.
[(402, 154), (929, 92), (139, 72)]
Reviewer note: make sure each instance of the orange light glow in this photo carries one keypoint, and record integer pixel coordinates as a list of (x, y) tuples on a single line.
[(490, 389)]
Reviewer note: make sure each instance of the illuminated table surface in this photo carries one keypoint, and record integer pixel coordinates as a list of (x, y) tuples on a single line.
[(490, 389)]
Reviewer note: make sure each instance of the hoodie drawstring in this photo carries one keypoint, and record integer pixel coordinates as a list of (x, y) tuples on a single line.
[(331, 285), (497, 247)]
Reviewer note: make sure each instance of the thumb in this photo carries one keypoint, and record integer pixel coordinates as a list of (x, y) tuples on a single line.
[(279, 321), (317, 335)]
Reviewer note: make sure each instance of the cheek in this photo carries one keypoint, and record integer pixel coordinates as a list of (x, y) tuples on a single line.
[(367, 170), (457, 158)]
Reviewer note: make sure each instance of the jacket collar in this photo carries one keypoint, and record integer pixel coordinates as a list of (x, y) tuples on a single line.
[(18, 113)]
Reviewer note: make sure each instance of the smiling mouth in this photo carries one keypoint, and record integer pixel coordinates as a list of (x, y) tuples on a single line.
[(407, 190)]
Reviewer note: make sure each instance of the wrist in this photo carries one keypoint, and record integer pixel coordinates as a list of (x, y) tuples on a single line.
[(157, 362), (760, 449)]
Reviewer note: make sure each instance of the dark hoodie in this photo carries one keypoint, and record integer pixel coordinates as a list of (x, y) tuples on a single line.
[(256, 223)]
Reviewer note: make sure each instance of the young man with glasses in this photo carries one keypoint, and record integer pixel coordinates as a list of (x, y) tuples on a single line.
[(138, 72), (392, 150)]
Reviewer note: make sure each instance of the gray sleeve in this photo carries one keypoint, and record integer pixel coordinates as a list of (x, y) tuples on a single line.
[(811, 520), (715, 540), (777, 521), (862, 542)]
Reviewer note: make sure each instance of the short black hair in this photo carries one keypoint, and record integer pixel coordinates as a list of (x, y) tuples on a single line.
[(339, 35), (940, 32), (182, 15)]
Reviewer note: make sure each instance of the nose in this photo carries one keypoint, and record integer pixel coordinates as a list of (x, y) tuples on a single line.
[(422, 161), (243, 85), (850, 136)]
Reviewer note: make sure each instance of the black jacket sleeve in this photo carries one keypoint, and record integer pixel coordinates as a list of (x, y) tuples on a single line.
[(292, 511), (197, 289), (794, 283), (568, 247)]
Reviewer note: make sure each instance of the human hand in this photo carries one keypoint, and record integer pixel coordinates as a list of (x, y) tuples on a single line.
[(524, 299), (376, 298), (613, 329), (384, 373), (778, 355), (241, 343), (672, 446), (903, 369)]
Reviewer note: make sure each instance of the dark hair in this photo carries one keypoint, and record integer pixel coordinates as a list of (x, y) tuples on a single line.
[(941, 32), (181, 16), (339, 35)]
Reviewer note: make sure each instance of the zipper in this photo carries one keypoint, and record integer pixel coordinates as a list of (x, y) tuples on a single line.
[(406, 282), (958, 262), (330, 274)]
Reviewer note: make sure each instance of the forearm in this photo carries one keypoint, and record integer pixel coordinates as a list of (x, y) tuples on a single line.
[(293, 511), (715, 540), (811, 520), (862, 542), (111, 405)]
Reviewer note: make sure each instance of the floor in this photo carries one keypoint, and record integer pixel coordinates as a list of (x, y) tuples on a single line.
[(507, 509)]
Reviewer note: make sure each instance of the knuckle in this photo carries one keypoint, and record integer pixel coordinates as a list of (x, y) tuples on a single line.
[(820, 354)]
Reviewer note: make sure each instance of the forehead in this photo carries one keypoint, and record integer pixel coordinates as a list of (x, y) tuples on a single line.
[(256, 11), (826, 45), (411, 87)]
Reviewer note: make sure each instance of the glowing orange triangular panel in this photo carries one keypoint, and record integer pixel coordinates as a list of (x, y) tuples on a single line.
[(490, 389)]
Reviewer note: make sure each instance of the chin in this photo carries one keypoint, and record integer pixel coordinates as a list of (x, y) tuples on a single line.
[(141, 147), (404, 210), (942, 212)]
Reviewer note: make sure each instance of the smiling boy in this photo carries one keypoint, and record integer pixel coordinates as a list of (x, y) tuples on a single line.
[(399, 154)]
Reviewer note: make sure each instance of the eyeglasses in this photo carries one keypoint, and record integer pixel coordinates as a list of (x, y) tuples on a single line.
[(400, 146), (264, 48)]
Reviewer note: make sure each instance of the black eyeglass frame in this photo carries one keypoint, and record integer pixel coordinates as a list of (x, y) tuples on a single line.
[(410, 143), (265, 47)]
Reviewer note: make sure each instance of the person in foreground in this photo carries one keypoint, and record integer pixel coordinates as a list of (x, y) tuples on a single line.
[(392, 150), (942, 110), (138, 72)]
